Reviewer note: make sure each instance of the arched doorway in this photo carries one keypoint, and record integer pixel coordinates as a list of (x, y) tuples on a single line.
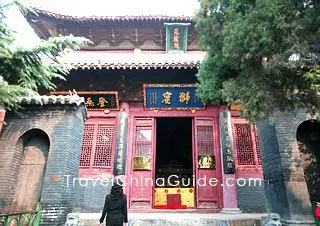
[(34, 147), (308, 137)]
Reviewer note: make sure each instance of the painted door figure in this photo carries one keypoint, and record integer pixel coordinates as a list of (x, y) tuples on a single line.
[(142, 164), (207, 163), (30, 179)]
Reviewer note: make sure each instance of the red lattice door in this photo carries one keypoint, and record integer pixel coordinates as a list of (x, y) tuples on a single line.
[(142, 164), (97, 148), (207, 164)]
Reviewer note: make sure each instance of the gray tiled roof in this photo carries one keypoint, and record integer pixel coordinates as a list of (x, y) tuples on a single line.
[(127, 18), (112, 60), (53, 100)]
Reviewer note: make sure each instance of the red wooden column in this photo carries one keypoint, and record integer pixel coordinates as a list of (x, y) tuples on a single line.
[(2, 115), (230, 204)]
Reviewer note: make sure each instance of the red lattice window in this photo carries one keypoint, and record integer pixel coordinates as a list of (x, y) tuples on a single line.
[(205, 140), (87, 142), (97, 145), (103, 149), (246, 143)]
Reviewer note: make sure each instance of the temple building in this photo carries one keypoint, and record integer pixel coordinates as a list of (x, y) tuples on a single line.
[(145, 121), (129, 109)]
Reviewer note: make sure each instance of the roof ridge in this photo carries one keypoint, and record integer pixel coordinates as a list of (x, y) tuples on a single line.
[(53, 99), (56, 15)]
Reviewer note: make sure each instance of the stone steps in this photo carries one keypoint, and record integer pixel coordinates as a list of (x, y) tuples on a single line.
[(180, 219)]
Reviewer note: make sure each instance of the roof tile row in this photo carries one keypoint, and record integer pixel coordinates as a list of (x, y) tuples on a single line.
[(53, 100), (105, 60), (90, 19)]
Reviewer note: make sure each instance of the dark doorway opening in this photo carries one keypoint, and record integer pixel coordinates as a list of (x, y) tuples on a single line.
[(308, 137), (174, 152)]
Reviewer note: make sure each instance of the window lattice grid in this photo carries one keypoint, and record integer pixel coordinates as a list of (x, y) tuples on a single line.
[(103, 148), (205, 143), (87, 145), (88, 135), (85, 156), (205, 133), (143, 143), (243, 144), (257, 145)]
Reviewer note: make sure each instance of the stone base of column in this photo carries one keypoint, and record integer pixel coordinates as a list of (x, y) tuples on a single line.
[(230, 210), (295, 223)]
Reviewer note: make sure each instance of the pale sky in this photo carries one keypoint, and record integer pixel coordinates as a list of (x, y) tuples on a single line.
[(119, 7), (24, 32)]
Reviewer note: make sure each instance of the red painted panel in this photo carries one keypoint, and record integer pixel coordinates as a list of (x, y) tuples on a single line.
[(207, 189), (207, 180), (141, 181), (141, 189), (249, 173)]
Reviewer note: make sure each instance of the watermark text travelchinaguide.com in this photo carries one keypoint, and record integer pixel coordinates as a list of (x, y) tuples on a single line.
[(171, 181)]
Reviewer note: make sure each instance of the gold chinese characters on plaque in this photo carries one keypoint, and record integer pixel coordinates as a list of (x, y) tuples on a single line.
[(96, 100), (206, 162), (142, 163)]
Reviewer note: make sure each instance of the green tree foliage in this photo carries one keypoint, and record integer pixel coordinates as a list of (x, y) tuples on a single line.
[(23, 69), (262, 54)]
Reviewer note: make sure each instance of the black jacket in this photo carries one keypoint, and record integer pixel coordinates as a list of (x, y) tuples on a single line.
[(116, 208)]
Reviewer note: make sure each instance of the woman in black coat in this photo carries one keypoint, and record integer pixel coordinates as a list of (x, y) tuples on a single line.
[(115, 206)]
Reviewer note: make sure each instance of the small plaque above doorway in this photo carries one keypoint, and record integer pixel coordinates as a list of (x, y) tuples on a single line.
[(97, 100), (171, 97)]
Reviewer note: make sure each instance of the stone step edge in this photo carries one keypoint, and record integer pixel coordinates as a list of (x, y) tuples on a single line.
[(203, 216)]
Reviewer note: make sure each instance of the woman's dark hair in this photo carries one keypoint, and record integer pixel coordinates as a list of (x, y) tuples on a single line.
[(116, 191)]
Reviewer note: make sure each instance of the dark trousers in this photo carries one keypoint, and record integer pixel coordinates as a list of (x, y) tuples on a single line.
[(114, 221)]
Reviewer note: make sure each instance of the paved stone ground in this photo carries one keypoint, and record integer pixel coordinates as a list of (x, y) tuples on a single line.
[(180, 219)]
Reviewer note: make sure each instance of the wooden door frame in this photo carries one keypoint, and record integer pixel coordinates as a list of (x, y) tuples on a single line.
[(216, 152), (194, 161), (132, 142), (212, 112), (154, 156)]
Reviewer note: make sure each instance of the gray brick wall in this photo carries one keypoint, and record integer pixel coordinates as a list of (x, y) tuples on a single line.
[(91, 198), (272, 170), (251, 199), (285, 186), (64, 126)]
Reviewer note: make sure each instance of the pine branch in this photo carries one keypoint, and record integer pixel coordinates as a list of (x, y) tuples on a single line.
[(10, 95), (23, 70)]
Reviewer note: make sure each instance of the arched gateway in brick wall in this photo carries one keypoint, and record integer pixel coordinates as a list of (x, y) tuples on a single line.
[(33, 149), (285, 166), (38, 151)]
